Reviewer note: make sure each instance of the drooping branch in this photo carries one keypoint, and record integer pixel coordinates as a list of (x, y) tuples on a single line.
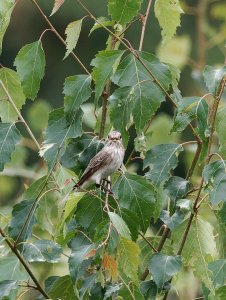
[(144, 21)]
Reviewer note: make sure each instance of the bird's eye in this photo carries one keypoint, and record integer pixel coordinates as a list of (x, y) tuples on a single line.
[(120, 136)]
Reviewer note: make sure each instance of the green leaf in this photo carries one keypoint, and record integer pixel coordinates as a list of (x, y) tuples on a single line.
[(105, 65), (131, 72), (57, 132), (123, 11), (105, 21), (177, 187), (149, 289), (72, 32), (80, 247), (90, 212), (128, 258), (218, 268), (42, 250), (221, 129), (161, 159), (57, 5), (11, 269), (19, 220), (130, 291), (6, 287), (199, 249), (12, 83), (6, 9), (168, 14), (215, 175), (119, 225), (9, 137), (30, 65), (213, 77), (121, 102), (163, 268), (135, 193), (79, 151), (76, 90), (131, 219), (63, 288), (172, 221)]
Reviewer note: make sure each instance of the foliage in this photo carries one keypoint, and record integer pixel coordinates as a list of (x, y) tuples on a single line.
[(104, 245)]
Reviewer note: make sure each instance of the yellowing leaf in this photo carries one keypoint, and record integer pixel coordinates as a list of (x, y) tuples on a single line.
[(57, 5), (91, 253), (72, 32), (128, 258), (6, 8), (108, 263), (168, 14)]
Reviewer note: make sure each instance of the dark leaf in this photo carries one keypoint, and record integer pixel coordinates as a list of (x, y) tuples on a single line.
[(20, 220), (76, 90), (104, 64), (149, 289), (163, 267), (131, 219), (30, 65), (177, 187), (42, 250), (63, 288), (136, 194), (161, 159), (221, 129), (9, 137)]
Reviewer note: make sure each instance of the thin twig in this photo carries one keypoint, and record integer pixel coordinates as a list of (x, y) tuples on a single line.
[(59, 36), (23, 262), (19, 115), (147, 241), (144, 21)]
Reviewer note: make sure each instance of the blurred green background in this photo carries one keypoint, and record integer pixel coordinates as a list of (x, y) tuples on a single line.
[(199, 41)]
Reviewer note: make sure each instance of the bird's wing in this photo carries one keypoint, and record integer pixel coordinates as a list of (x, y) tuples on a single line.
[(95, 163)]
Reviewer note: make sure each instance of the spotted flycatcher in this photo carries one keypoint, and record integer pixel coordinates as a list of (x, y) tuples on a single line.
[(105, 162)]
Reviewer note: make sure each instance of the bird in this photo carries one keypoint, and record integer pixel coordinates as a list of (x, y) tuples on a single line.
[(104, 163)]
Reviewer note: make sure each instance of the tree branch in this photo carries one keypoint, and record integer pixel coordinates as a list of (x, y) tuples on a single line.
[(25, 265), (59, 36), (144, 21)]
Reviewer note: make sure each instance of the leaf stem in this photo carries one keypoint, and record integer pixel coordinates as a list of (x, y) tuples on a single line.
[(19, 115), (144, 22), (23, 262), (59, 36)]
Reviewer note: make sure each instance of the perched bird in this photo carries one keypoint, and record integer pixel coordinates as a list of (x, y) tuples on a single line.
[(104, 163)]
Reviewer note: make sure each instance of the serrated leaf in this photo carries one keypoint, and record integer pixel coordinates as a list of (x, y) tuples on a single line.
[(168, 14), (161, 159), (42, 250), (128, 258), (9, 137), (80, 247), (57, 132), (215, 175), (131, 72), (221, 129), (63, 288), (119, 225), (123, 11), (57, 5), (72, 32), (77, 90), (11, 269), (163, 267), (108, 263), (135, 193), (120, 111), (19, 220), (6, 9), (30, 65), (199, 249), (106, 22), (213, 77), (79, 151), (131, 219), (104, 64), (6, 287), (12, 83), (218, 268)]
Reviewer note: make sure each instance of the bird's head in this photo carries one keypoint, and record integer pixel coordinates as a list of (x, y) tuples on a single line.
[(114, 136)]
